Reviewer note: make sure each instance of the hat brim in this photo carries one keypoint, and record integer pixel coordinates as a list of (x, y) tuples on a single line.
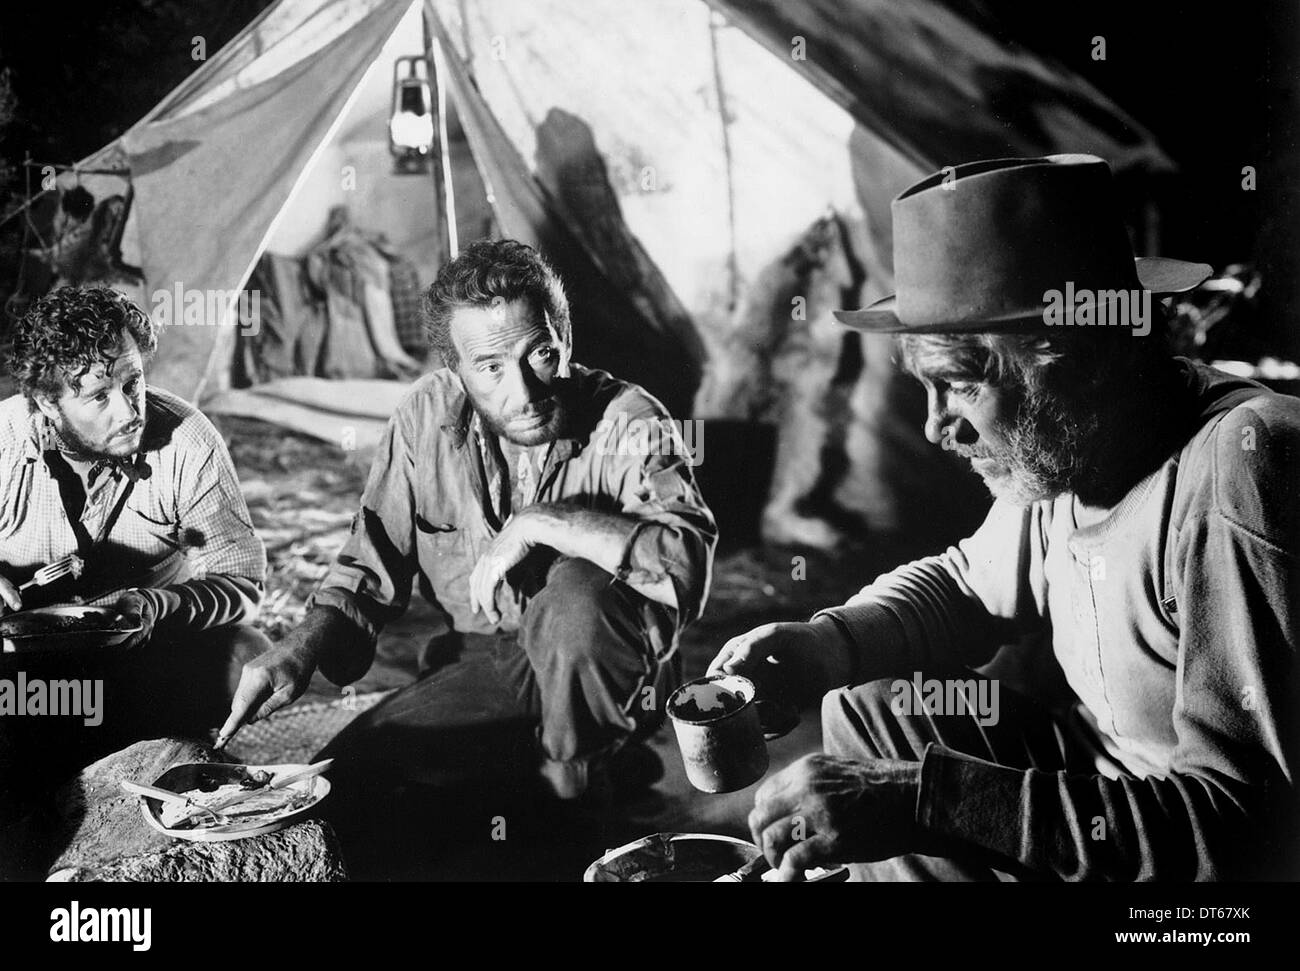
[(1157, 274), (1162, 275)]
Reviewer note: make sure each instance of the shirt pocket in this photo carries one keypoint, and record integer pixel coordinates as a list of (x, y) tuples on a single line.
[(150, 532), (446, 558)]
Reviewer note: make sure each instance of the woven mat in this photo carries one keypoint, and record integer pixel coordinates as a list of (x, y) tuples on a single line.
[(296, 733)]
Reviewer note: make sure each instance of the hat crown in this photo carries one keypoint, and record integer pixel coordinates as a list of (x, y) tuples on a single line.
[(989, 240)]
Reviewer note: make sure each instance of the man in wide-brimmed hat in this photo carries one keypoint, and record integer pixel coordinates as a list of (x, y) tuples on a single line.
[(1143, 532)]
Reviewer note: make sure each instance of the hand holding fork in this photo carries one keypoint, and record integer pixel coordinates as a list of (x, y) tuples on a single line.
[(70, 564)]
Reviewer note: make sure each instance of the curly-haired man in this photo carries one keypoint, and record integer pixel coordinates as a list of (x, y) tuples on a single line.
[(564, 558), (139, 484)]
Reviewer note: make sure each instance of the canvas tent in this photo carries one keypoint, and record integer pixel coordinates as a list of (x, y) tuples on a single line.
[(669, 156), (728, 127)]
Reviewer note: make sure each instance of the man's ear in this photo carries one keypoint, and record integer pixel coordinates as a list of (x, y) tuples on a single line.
[(48, 406), (566, 358)]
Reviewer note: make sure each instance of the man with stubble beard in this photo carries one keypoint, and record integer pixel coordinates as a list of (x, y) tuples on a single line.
[(1142, 541), (563, 560), (137, 482)]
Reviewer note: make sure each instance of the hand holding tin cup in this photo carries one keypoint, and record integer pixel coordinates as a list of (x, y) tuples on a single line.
[(719, 722)]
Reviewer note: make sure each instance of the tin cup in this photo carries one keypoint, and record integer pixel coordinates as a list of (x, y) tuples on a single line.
[(718, 732)]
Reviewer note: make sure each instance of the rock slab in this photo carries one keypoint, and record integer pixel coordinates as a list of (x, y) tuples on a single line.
[(105, 837)]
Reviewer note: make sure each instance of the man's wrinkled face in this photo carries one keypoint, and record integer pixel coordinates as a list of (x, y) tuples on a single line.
[(1025, 448), (513, 366), (102, 414)]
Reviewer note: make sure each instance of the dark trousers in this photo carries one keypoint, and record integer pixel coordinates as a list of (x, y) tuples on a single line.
[(175, 685), (576, 681), (861, 723)]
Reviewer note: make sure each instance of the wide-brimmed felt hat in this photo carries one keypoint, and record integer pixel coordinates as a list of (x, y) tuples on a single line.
[(983, 246)]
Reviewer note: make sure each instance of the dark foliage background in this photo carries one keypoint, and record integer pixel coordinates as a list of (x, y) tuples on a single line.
[(74, 78)]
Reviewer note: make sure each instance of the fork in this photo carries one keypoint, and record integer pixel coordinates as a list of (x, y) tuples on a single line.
[(72, 563), (197, 810)]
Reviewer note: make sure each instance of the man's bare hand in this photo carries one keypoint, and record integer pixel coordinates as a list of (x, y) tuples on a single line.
[(824, 810), (9, 597), (269, 682), (508, 550), (792, 653)]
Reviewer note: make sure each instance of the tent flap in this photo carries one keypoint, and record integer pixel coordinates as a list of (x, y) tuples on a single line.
[(210, 183)]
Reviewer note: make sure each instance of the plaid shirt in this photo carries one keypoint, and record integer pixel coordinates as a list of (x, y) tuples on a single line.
[(184, 535)]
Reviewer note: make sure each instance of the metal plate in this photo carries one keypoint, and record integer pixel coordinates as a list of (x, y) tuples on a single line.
[(181, 778), (17, 640)]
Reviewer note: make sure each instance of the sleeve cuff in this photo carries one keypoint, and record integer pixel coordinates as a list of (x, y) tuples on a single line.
[(347, 604), (971, 800), (626, 572), (873, 633), (830, 631), (164, 602)]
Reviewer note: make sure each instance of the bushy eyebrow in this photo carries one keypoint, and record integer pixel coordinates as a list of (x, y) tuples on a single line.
[(950, 374), (103, 385), (97, 385), (540, 341)]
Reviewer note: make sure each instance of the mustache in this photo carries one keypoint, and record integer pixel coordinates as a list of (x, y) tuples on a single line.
[(537, 409)]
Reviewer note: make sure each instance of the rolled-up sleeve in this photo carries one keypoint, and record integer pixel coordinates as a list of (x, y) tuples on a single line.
[(370, 580), (650, 474)]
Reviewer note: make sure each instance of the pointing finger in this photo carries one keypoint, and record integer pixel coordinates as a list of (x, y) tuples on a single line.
[(253, 688), (281, 697)]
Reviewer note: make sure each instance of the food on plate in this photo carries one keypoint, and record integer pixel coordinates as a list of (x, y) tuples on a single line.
[(249, 779), (36, 623), (254, 810)]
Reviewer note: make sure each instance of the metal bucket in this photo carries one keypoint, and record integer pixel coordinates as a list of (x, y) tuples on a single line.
[(718, 732), (672, 858)]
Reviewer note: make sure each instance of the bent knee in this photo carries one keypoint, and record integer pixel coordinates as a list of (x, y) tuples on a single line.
[(578, 595), (847, 703), (852, 716), (583, 616)]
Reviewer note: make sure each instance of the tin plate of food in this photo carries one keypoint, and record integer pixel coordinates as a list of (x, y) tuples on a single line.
[(64, 627), (209, 802), (693, 858)]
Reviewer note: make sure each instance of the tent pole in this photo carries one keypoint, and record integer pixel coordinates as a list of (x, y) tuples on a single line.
[(448, 236), (444, 149), (716, 23)]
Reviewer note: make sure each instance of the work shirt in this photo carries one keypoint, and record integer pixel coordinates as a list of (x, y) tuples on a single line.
[(183, 535), (433, 503), (1174, 620)]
